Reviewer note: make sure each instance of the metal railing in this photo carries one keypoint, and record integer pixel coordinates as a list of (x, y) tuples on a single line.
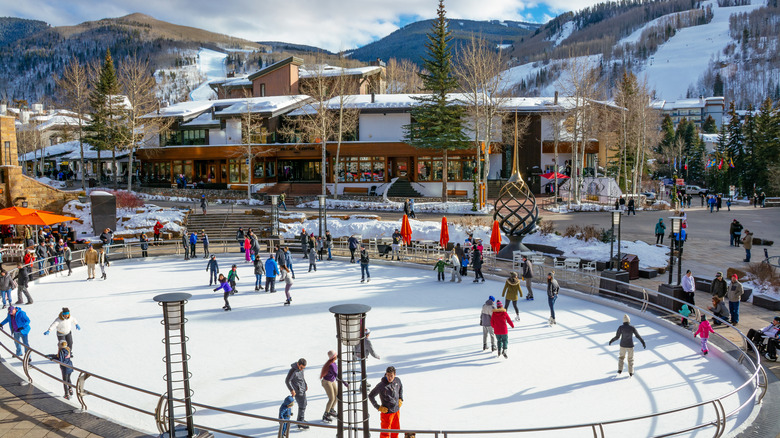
[(581, 282)]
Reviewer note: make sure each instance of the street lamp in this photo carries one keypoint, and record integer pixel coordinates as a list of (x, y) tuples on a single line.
[(275, 215), (676, 223), (323, 212), (616, 217), (351, 334)]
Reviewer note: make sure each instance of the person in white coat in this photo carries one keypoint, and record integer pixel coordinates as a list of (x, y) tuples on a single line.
[(64, 325), (455, 266)]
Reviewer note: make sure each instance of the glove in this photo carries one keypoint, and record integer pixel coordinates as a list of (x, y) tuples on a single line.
[(46, 332), (383, 409), (78, 327), (400, 403)]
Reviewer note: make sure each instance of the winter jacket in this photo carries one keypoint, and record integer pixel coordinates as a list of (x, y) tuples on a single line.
[(738, 228), (232, 275), (499, 320), (512, 290), (144, 243), (476, 262), (440, 265), (271, 268), (369, 349), (279, 257), (7, 282), (205, 239), (21, 319), (295, 380), (396, 238), (157, 228), (721, 311), (101, 258), (487, 313), (390, 394), (454, 262), (225, 286), (22, 277), (259, 268), (626, 333), (718, 288), (91, 256), (353, 242), (552, 288), (240, 235), (735, 291), (528, 269), (193, 239), (63, 325), (312, 256), (41, 252), (67, 254), (247, 243), (304, 238), (286, 277), (285, 411), (688, 283), (212, 265), (63, 355), (747, 241), (660, 228), (704, 330), (105, 238), (364, 258), (287, 258)]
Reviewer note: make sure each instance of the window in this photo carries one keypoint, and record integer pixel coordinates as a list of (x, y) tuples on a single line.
[(238, 170), (7, 153), (183, 168), (361, 169), (156, 172), (185, 137)]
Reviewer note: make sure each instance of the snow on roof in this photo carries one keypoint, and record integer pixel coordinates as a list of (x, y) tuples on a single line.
[(329, 70), (670, 105), (91, 154), (380, 102), (203, 119), (268, 104), (54, 150)]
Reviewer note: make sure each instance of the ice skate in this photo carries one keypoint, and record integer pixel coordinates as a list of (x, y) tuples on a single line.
[(493, 348), (287, 303), (630, 375), (550, 321), (517, 318), (326, 418), (484, 348), (368, 280), (505, 356), (333, 413), (303, 427), (363, 280), (618, 374)]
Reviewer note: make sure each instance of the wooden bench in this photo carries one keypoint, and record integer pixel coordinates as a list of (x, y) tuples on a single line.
[(457, 192), (356, 190)]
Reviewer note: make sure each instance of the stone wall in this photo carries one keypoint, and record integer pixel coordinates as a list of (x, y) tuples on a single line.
[(196, 193)]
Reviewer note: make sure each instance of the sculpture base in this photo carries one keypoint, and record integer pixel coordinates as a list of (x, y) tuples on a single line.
[(515, 244)]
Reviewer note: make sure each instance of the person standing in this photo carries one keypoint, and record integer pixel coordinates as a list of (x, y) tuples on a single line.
[(271, 271), (455, 266), (512, 292), (499, 320), (484, 322), (144, 247), (203, 203), (157, 230), (40, 255), (622, 204), (412, 214), (285, 412), (64, 324), (734, 296), (63, 356), (20, 327), (660, 230), (224, 285), (329, 376), (288, 282), (329, 244), (205, 239), (733, 239), (184, 243), (282, 197), (259, 273), (406, 207), (90, 259), (439, 267), (287, 261), (476, 263), (552, 295), (704, 331), (528, 274), (718, 286), (247, 249), (353, 246), (22, 280), (102, 262), (107, 237), (240, 239), (631, 208), (396, 245), (369, 348), (391, 395), (364, 260), (193, 243), (747, 243), (7, 284), (689, 291), (626, 333), (296, 383), (233, 278), (304, 239), (312, 259), (212, 267)]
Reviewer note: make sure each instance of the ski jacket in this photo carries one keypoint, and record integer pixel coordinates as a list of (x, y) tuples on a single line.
[(396, 238), (20, 319), (271, 268), (259, 268), (225, 286), (477, 260), (454, 262), (22, 277), (144, 243), (240, 235), (7, 282), (704, 330), (499, 319), (364, 258), (528, 269), (232, 275), (63, 325), (735, 291), (353, 242), (487, 313), (626, 333), (157, 227), (295, 380), (63, 355), (212, 265), (287, 277), (193, 239), (552, 288), (718, 288), (285, 411), (312, 256), (512, 290), (390, 394), (660, 228), (439, 266)]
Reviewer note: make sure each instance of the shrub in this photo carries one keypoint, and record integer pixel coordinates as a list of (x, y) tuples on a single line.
[(765, 275), (545, 227), (125, 199), (572, 231), (590, 232)]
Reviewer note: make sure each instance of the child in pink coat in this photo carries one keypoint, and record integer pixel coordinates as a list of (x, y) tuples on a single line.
[(704, 331)]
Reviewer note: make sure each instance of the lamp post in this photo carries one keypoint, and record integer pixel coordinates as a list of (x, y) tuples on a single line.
[(615, 221), (275, 215), (676, 220), (353, 400), (323, 212)]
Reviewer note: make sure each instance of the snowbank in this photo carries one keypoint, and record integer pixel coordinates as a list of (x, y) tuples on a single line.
[(650, 256), (129, 220), (51, 182), (419, 207)]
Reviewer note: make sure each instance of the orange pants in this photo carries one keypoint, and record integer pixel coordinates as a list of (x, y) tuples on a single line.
[(390, 421)]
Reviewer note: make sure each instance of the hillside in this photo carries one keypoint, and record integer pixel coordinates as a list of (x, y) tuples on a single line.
[(13, 29)]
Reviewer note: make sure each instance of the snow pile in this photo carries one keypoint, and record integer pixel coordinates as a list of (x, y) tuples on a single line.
[(51, 182), (419, 207), (585, 206), (150, 197), (650, 256), (129, 221)]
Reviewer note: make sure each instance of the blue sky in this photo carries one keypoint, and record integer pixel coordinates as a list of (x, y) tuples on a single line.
[(330, 24)]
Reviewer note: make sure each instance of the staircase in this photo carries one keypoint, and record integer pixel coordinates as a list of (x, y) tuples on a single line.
[(294, 189), (494, 187), (224, 226), (402, 188)]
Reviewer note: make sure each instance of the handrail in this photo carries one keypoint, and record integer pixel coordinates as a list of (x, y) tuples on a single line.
[(426, 255)]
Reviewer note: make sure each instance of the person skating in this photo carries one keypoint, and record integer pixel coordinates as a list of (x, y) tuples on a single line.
[(193, 244), (528, 274), (64, 355), (184, 244), (321, 248), (240, 239), (287, 261), (512, 292), (233, 278), (259, 273), (296, 383), (476, 263), (704, 331), (102, 260), (364, 260), (369, 348), (90, 259), (329, 376), (660, 230), (107, 237), (734, 296), (224, 285), (455, 266), (396, 245), (439, 268), (312, 259), (22, 281), (287, 277), (353, 244), (391, 395), (304, 239), (626, 333), (552, 295), (285, 412), (7, 284), (64, 324), (484, 322), (212, 267), (747, 243), (247, 249), (718, 287), (329, 244), (20, 327), (271, 271), (412, 214), (205, 240), (144, 247), (499, 320)]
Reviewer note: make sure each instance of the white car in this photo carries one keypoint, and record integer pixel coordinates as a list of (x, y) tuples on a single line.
[(650, 196)]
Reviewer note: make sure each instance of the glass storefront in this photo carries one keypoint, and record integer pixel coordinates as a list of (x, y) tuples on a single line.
[(361, 169)]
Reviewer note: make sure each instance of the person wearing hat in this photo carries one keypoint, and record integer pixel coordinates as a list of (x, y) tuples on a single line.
[(734, 296), (660, 230), (64, 355), (484, 321), (499, 320), (391, 393), (626, 333), (768, 335), (285, 412), (90, 258), (329, 376), (232, 278), (747, 243), (512, 292), (718, 286), (369, 348), (552, 295), (364, 260), (64, 324), (203, 203), (20, 327)]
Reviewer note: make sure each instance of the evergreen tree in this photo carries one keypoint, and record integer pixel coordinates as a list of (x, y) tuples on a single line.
[(435, 122), (749, 163), (735, 149), (767, 148), (709, 126)]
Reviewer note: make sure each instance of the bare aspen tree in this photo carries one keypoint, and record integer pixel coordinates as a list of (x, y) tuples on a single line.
[(73, 87), (254, 132), (555, 118), (348, 119), (403, 77)]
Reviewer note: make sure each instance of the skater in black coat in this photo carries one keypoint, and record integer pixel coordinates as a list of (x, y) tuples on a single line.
[(476, 263), (212, 268), (626, 333)]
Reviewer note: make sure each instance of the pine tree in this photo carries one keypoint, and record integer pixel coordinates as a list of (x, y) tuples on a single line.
[(735, 149), (767, 148), (709, 126), (435, 122)]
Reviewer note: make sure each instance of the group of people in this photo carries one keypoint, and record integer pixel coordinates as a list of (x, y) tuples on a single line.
[(627, 207), (459, 260), (736, 237)]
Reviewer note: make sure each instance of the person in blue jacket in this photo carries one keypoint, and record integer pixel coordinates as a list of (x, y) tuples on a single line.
[(193, 242), (271, 271), (285, 412), (205, 240), (20, 327), (224, 285), (213, 269)]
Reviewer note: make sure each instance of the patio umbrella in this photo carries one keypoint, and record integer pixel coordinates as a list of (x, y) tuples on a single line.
[(444, 237), (19, 211), (37, 218), (552, 175), (495, 237), (406, 230)]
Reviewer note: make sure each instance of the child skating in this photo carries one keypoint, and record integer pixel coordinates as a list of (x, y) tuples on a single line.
[(232, 278), (704, 331), (285, 412), (226, 289), (439, 266)]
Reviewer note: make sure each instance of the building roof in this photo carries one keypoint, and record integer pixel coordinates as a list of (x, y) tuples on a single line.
[(701, 102), (54, 150), (330, 71), (275, 66), (204, 120), (269, 106)]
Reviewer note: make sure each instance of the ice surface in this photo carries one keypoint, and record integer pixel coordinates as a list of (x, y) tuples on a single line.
[(428, 330)]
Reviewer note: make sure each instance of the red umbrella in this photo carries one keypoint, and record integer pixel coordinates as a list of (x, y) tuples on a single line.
[(444, 238), (495, 237), (552, 175), (406, 230)]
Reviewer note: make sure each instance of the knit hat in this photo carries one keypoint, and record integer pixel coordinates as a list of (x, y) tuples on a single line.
[(626, 318), (288, 401), (499, 304), (368, 331), (492, 298), (719, 274), (65, 311), (10, 308), (735, 276)]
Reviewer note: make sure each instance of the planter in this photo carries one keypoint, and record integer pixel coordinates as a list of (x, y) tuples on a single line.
[(83, 199)]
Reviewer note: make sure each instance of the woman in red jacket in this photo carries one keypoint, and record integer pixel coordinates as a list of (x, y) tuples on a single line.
[(498, 321), (157, 228)]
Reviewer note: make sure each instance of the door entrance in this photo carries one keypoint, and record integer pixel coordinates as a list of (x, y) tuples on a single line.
[(210, 171), (299, 170), (399, 167)]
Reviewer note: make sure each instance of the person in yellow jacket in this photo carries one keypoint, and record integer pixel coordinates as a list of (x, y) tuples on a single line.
[(512, 292), (90, 259)]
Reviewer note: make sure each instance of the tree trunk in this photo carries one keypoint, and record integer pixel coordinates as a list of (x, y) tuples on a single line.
[(324, 172), (130, 168), (444, 177), (99, 169), (115, 169), (249, 174)]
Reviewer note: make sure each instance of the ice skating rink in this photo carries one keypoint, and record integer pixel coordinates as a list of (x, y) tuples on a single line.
[(429, 331)]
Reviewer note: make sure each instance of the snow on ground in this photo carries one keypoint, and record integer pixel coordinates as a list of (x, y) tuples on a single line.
[(51, 182), (564, 32), (428, 330), (129, 220), (211, 64), (528, 72), (196, 199), (650, 256), (452, 207)]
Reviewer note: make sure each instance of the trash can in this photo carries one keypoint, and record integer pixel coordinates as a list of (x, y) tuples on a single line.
[(630, 263)]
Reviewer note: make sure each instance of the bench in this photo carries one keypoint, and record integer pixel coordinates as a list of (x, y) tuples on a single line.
[(766, 302), (356, 190), (648, 273), (457, 192)]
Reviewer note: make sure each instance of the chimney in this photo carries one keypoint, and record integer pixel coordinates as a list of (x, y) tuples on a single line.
[(3, 109), (555, 99), (373, 97), (24, 117)]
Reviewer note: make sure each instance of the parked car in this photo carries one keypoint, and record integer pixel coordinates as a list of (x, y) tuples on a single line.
[(695, 190), (650, 196)]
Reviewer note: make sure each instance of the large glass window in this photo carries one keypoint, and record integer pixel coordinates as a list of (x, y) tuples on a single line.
[(185, 137), (237, 170), (361, 169), (156, 172)]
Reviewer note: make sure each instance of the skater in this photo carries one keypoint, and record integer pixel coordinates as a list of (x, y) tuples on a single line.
[(184, 243), (512, 292), (412, 214), (288, 261), (439, 267), (282, 197), (704, 331), (626, 333), (232, 279), (312, 259), (369, 348), (205, 239), (396, 245), (528, 274), (660, 230), (157, 230), (719, 311), (476, 263), (487, 328), (455, 266), (144, 247), (498, 320), (329, 376), (689, 291), (212, 267), (20, 327), (247, 249), (321, 248), (64, 324), (364, 260), (285, 412), (552, 295), (686, 313), (353, 246), (107, 237), (90, 258), (391, 393), (288, 282), (64, 355), (747, 243), (226, 289), (271, 271), (735, 296), (203, 203), (240, 239), (718, 286), (102, 262), (40, 255), (464, 267), (22, 280), (7, 284), (329, 244), (304, 239), (259, 273), (193, 244), (296, 383), (67, 256)]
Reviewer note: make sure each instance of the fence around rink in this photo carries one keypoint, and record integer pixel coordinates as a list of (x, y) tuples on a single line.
[(584, 285)]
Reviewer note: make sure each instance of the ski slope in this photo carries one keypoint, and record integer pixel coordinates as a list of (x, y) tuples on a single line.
[(211, 64)]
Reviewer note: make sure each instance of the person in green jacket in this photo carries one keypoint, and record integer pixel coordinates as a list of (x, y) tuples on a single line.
[(232, 278), (660, 229), (512, 292), (439, 266)]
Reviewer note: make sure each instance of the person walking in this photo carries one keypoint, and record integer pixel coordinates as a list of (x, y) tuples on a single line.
[(102, 262), (7, 284), (704, 331), (205, 239), (552, 295), (391, 395), (364, 260), (184, 244), (288, 282), (144, 247), (212, 267), (240, 239), (484, 322), (622, 204), (631, 208), (259, 273), (224, 286), (20, 327), (660, 230), (157, 230), (22, 280), (296, 383), (312, 259), (64, 356), (528, 274), (271, 271), (747, 243), (193, 244), (512, 292), (64, 324), (626, 333), (90, 259), (353, 246), (329, 376), (455, 266), (412, 214), (734, 296), (498, 321), (232, 279), (689, 291), (282, 197), (476, 263), (718, 286), (396, 245), (203, 203), (439, 268)]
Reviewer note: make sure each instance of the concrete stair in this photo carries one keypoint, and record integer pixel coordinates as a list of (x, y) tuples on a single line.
[(403, 188), (294, 189), (224, 226)]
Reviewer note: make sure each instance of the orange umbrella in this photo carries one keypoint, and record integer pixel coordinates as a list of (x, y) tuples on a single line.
[(444, 238), (37, 218), (495, 237), (19, 211), (406, 230)]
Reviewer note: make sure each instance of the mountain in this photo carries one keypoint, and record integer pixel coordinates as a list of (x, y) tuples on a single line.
[(409, 41), (279, 46), (13, 29)]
